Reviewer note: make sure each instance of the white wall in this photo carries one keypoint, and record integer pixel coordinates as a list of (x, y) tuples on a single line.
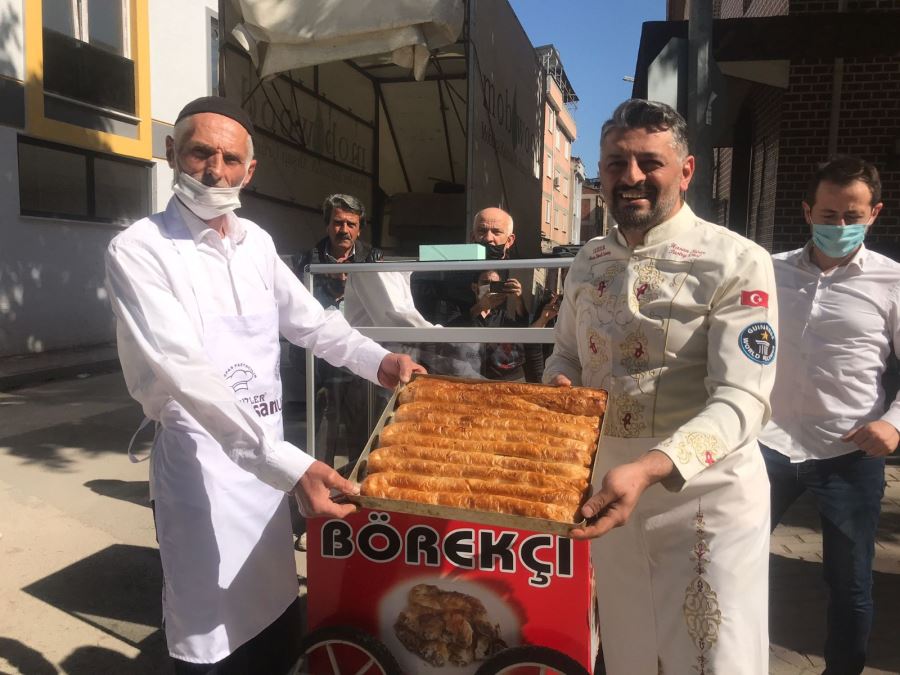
[(12, 41), (52, 272)]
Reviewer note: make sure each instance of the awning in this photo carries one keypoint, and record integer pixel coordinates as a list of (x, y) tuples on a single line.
[(772, 38), (282, 35)]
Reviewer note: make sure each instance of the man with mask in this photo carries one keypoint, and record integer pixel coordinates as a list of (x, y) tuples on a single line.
[(200, 298), (839, 312), (668, 313)]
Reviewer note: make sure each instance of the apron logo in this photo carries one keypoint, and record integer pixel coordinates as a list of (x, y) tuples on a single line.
[(758, 343), (239, 377)]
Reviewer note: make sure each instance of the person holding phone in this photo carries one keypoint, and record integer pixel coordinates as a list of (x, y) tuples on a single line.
[(491, 309)]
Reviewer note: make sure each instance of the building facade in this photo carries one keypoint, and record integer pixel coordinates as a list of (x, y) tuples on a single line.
[(557, 170), (790, 93), (89, 90)]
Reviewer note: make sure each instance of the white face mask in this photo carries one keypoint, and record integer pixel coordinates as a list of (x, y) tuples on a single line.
[(205, 202), (483, 290)]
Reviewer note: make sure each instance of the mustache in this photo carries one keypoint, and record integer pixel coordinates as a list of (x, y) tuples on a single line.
[(343, 235)]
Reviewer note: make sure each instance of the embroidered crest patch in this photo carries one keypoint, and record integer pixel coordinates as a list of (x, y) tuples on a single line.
[(758, 343)]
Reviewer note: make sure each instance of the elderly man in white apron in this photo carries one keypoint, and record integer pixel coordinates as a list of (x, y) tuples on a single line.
[(675, 317), (201, 296)]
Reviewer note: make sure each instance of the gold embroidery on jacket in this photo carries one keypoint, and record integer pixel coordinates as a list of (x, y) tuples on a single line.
[(598, 349), (627, 417), (701, 604), (705, 448)]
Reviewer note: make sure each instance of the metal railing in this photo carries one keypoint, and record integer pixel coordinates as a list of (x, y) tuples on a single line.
[(436, 334)]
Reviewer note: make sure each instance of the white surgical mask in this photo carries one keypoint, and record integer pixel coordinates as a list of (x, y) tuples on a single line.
[(483, 290), (205, 202)]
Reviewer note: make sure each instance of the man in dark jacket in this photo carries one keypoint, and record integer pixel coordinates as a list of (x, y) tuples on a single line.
[(341, 396), (345, 217)]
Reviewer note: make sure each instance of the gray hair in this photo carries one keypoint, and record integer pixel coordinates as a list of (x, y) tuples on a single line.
[(636, 113), (344, 203), (185, 127)]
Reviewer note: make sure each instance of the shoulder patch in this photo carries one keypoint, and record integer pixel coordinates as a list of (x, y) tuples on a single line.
[(758, 343)]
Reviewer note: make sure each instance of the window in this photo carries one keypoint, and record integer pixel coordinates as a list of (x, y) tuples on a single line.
[(100, 23), (556, 181), (565, 189), (568, 148), (557, 142), (547, 210), (57, 181), (87, 52), (548, 167), (213, 56), (551, 120)]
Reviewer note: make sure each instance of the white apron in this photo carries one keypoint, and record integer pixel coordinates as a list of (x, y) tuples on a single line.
[(224, 535), (683, 586)]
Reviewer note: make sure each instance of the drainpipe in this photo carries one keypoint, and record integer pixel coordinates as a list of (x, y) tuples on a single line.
[(837, 84), (699, 99)]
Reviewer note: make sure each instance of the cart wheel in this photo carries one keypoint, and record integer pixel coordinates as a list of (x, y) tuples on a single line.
[(343, 650), (531, 660)]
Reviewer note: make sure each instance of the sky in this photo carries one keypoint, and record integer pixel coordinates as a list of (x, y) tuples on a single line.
[(597, 41)]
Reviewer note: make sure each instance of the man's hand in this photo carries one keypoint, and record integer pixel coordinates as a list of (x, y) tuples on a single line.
[(313, 492), (487, 302), (876, 439), (512, 287), (397, 368), (619, 493), (560, 380)]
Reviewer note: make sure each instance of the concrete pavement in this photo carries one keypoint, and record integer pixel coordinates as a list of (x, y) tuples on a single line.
[(79, 568)]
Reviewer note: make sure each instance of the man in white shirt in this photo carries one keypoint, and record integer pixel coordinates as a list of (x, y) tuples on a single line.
[(676, 318), (839, 310), (200, 298)]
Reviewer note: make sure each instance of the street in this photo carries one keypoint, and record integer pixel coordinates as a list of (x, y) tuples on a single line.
[(80, 575)]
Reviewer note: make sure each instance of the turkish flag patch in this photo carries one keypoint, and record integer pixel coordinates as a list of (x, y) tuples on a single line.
[(755, 298)]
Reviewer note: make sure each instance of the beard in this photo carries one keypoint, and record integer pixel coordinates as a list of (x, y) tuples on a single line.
[(634, 220)]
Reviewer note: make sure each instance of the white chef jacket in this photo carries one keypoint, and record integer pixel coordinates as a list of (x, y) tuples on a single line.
[(159, 328), (673, 330), (837, 330)]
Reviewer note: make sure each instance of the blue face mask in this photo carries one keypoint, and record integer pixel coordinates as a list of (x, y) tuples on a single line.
[(838, 241)]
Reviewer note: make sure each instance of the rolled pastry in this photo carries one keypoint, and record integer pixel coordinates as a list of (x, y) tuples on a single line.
[(511, 443), (572, 400), (530, 424), (576, 473), (379, 462), (503, 406), (480, 502), (439, 484)]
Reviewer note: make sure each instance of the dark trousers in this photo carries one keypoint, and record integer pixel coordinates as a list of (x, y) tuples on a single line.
[(273, 652), (848, 491)]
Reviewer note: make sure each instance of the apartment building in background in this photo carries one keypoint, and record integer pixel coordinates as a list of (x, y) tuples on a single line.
[(557, 227)]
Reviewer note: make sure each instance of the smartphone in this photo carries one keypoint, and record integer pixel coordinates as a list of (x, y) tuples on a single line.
[(498, 287)]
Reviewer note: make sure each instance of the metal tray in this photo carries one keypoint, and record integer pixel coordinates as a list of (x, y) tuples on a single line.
[(540, 525)]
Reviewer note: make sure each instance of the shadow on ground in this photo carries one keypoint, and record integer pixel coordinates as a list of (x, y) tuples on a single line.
[(798, 602), (107, 432), (117, 590), (134, 491)]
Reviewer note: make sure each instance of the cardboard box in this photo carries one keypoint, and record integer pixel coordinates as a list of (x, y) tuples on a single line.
[(432, 252)]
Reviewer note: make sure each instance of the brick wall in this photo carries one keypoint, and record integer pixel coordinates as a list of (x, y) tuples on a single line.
[(735, 9), (869, 127), (807, 6)]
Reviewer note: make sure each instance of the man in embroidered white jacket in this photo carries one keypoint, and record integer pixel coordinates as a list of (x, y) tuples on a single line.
[(676, 318)]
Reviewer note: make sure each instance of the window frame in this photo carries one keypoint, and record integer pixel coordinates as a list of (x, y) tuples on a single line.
[(90, 183)]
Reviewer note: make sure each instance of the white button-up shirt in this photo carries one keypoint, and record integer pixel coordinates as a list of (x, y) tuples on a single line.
[(159, 328), (837, 329)]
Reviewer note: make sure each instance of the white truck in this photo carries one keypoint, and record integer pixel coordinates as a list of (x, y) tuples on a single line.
[(426, 110)]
